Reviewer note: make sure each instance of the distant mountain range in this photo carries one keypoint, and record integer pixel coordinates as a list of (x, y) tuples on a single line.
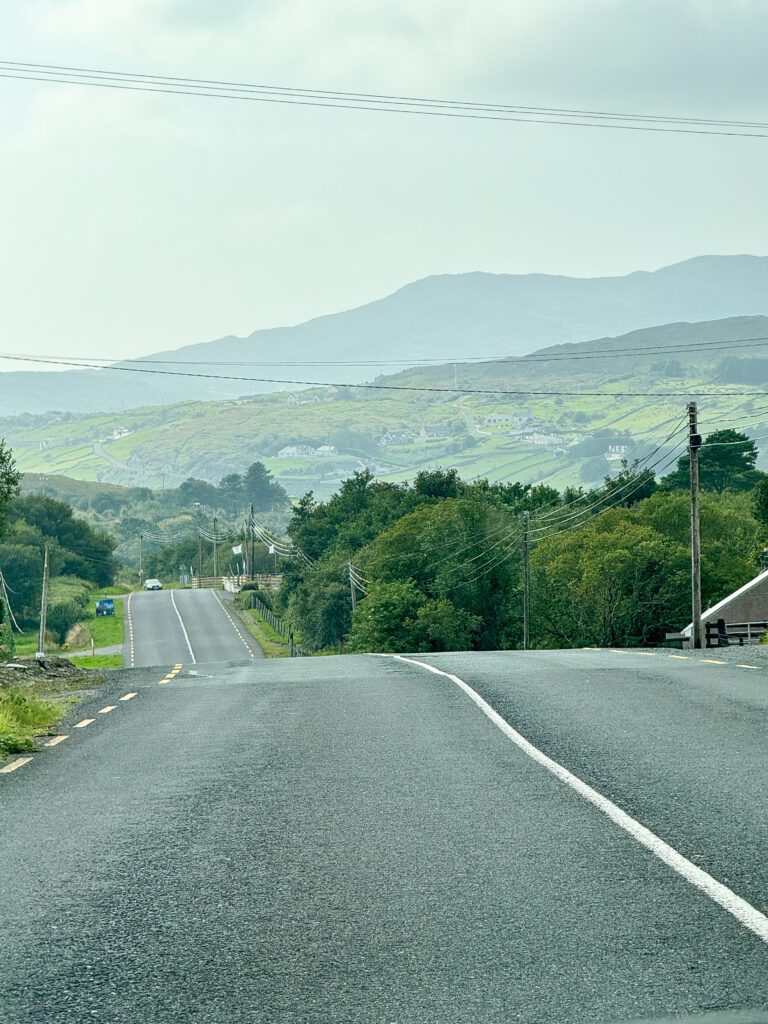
[(446, 318), (547, 416)]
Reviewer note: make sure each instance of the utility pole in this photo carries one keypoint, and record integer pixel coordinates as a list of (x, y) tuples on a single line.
[(526, 580), (352, 589), (694, 443), (199, 558), (215, 550), (250, 557), (141, 558), (43, 608)]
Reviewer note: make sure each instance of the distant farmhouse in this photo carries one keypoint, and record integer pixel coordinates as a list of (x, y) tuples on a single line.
[(616, 452), (305, 451)]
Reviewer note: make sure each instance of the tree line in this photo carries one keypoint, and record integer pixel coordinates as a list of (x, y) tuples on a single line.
[(440, 560)]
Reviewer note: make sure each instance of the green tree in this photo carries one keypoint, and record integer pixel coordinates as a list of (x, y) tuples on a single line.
[(730, 536), (9, 478), (727, 461), (385, 620), (630, 485), (465, 550), (322, 612), (610, 582), (261, 489), (760, 502), (82, 550), (441, 626)]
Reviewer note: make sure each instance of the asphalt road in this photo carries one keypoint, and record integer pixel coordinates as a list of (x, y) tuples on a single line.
[(165, 627), (353, 840)]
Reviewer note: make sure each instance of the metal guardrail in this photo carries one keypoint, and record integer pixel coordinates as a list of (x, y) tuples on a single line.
[(727, 634)]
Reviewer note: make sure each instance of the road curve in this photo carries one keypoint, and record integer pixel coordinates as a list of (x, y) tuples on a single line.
[(353, 840), (187, 627)]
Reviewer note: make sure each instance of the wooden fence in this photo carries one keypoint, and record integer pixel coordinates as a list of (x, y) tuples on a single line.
[(264, 581), (727, 634), (277, 623)]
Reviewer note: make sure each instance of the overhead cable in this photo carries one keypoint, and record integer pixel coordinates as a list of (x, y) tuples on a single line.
[(380, 103)]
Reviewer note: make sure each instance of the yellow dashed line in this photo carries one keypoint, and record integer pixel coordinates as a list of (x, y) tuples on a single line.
[(714, 661), (748, 666), (171, 675), (129, 696), (15, 764), (107, 709), (85, 721), (56, 741), (680, 657)]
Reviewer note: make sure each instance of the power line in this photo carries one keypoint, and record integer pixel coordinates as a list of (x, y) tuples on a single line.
[(380, 96), (378, 103), (518, 360), (392, 387)]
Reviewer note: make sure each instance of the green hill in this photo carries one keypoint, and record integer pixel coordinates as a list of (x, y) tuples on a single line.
[(448, 316), (537, 430)]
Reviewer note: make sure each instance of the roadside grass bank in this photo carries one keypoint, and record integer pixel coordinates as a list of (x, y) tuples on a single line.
[(271, 642), (34, 696), (90, 662), (103, 630), (22, 717)]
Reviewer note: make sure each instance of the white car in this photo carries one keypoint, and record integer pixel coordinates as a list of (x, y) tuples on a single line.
[(153, 585)]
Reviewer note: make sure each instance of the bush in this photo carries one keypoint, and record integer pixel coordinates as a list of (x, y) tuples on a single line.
[(68, 603), (253, 588)]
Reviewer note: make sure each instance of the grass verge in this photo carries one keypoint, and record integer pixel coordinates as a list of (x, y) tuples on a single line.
[(23, 716), (273, 644), (95, 661)]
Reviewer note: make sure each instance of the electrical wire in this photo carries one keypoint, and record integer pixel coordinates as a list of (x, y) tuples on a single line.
[(290, 96), (398, 387), (641, 467), (535, 357)]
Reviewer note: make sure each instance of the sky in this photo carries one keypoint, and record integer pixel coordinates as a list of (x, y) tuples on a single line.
[(131, 223)]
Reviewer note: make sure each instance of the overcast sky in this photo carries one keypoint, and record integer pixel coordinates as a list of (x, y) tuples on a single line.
[(133, 222)]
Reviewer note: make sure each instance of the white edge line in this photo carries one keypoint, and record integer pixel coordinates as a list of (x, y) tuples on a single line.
[(184, 630), (130, 631), (744, 912), (234, 624)]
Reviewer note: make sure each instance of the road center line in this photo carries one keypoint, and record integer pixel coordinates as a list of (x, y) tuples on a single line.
[(128, 696), (756, 667), (107, 709), (184, 630), (85, 721), (744, 912)]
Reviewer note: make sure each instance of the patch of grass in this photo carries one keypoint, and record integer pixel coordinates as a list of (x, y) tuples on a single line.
[(22, 717), (96, 661), (106, 630), (273, 644), (25, 644)]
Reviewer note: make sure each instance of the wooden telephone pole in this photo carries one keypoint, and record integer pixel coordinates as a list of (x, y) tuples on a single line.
[(526, 581), (43, 608), (694, 444)]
